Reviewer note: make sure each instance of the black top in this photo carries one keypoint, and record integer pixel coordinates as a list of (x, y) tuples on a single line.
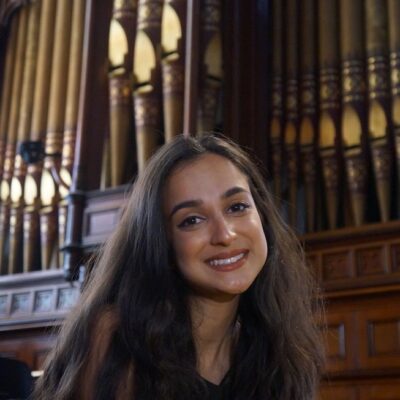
[(218, 392), (15, 379)]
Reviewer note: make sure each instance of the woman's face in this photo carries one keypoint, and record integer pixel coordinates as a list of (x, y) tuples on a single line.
[(214, 227)]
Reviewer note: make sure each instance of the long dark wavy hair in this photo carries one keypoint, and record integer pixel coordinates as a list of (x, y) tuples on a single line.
[(278, 354)]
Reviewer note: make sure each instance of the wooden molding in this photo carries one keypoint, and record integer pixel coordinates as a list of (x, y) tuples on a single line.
[(35, 299)]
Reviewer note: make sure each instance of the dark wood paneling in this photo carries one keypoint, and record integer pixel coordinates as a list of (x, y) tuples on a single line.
[(372, 260), (395, 254), (337, 265), (379, 337), (388, 391), (101, 215), (38, 298), (340, 351), (31, 347), (330, 392), (356, 257)]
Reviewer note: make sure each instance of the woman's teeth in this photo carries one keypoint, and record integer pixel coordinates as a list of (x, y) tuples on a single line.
[(226, 261)]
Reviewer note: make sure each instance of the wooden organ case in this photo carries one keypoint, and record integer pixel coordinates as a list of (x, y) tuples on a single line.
[(90, 89)]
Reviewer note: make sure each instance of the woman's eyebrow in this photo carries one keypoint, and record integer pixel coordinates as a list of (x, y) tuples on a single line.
[(234, 190), (185, 204), (196, 203)]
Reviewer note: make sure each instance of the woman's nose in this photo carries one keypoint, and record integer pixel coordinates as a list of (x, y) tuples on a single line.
[(223, 232)]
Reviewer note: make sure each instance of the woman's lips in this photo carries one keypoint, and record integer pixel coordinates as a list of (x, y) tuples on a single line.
[(228, 261)]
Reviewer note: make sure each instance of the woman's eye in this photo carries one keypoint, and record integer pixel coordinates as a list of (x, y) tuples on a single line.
[(238, 207), (190, 221)]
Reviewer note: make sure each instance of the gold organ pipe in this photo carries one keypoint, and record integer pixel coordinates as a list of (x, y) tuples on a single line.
[(6, 89), (353, 95), (379, 115), (120, 145), (173, 64), (32, 248), (4, 114), (14, 263), (147, 94), (329, 102), (54, 134), (25, 114)]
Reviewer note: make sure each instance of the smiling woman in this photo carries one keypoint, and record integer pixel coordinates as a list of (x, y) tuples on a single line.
[(214, 227), (201, 293)]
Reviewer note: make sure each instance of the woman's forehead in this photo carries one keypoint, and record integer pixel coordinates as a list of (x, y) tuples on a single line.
[(207, 173)]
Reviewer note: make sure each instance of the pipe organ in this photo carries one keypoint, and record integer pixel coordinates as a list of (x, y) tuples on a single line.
[(41, 93), (354, 142), (90, 89)]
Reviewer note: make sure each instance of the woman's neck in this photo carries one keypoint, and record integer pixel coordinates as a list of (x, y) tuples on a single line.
[(213, 331)]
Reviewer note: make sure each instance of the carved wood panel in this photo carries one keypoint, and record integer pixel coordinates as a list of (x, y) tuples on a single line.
[(38, 297), (395, 250), (330, 392), (37, 304), (101, 214), (379, 337), (337, 265), (357, 265), (372, 260), (389, 391), (340, 352)]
